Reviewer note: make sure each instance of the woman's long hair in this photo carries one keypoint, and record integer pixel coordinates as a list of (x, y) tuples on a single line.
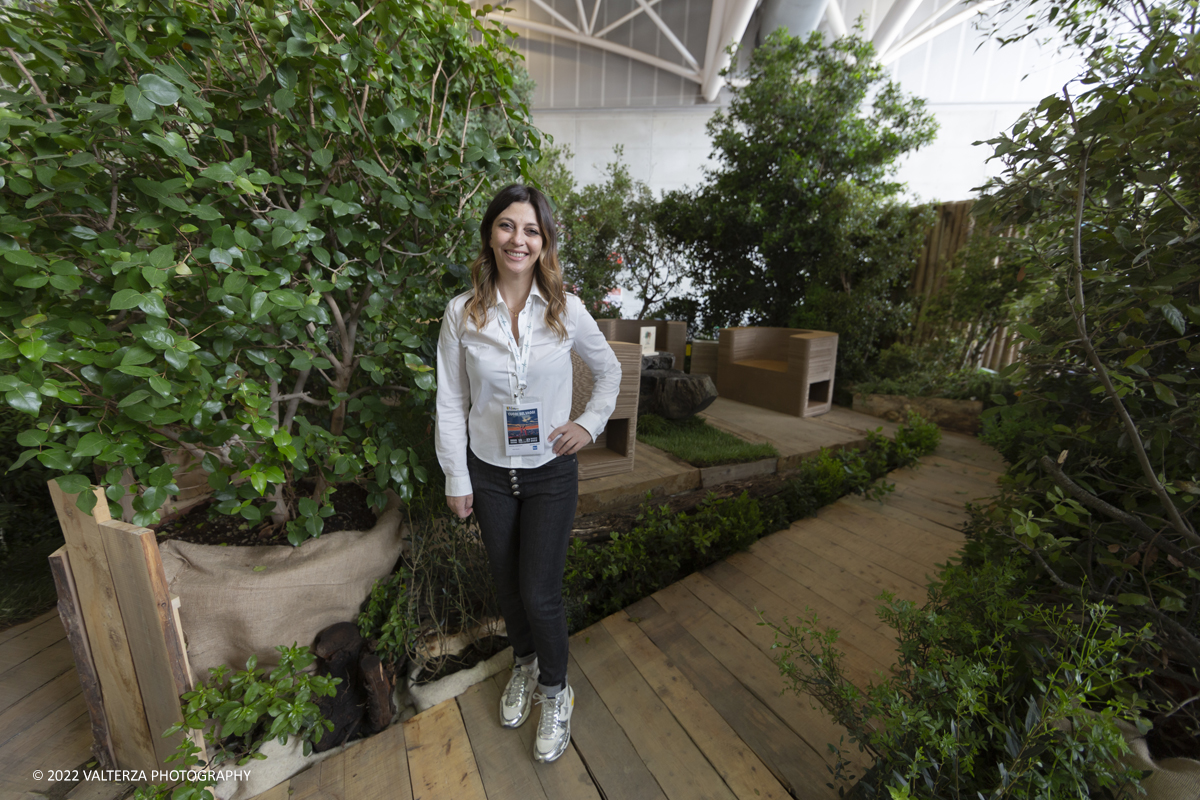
[(546, 271)]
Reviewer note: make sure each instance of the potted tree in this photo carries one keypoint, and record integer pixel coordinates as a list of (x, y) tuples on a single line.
[(224, 228)]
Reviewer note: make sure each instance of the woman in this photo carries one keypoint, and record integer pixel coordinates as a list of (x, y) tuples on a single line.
[(507, 445)]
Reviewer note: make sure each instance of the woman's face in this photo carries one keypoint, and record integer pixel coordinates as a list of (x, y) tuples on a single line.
[(516, 240)]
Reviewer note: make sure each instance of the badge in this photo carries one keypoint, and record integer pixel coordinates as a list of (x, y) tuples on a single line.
[(523, 435)]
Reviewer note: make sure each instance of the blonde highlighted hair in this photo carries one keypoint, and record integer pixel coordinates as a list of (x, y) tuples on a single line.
[(546, 271)]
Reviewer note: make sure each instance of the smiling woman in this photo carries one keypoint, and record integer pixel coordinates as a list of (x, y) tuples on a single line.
[(507, 445)]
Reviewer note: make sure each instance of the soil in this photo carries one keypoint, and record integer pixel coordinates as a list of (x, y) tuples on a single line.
[(202, 525), (480, 650)]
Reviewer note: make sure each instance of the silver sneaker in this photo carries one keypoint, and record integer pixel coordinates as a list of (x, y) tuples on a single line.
[(554, 730), (515, 701)]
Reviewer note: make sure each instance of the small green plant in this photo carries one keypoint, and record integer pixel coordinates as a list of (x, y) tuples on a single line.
[(698, 443), (992, 696), (387, 618), (663, 547), (666, 545), (239, 713)]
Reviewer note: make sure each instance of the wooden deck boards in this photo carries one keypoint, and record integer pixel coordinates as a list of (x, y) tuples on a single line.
[(677, 697)]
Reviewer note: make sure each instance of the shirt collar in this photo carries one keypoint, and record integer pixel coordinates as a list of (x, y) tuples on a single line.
[(534, 291)]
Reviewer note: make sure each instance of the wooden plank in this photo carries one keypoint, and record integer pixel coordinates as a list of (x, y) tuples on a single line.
[(567, 778), (32, 641), (100, 790), (141, 590), (33, 673), (929, 509), (743, 772), (751, 667), (818, 544), (505, 766), (780, 590), (280, 791), (666, 749), (71, 616), (31, 748), (29, 709), (602, 744), (377, 768), (8, 634), (890, 535), (949, 533), (792, 760), (439, 756), (133, 742)]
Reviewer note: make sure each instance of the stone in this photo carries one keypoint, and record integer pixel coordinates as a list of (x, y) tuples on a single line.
[(663, 360), (673, 394)]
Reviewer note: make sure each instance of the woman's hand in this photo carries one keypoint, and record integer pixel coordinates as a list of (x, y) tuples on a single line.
[(462, 505), (572, 437)]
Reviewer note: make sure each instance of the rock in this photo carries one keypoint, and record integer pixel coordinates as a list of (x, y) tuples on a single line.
[(673, 394), (664, 360)]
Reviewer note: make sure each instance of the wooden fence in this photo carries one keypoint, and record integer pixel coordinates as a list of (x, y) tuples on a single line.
[(951, 230)]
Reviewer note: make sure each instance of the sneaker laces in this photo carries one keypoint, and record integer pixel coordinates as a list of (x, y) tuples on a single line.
[(518, 685), (548, 726)]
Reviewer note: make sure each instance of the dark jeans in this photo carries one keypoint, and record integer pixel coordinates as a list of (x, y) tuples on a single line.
[(525, 516)]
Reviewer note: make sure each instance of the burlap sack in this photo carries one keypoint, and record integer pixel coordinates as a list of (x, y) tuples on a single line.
[(241, 601)]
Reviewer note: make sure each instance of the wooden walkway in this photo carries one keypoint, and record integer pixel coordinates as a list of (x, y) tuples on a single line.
[(677, 697)]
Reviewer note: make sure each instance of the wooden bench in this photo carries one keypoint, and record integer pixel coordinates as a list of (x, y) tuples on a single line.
[(784, 369)]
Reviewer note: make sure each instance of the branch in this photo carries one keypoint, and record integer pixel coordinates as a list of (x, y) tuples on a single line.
[(32, 83), (195, 450), (294, 401), (1096, 504), (366, 389)]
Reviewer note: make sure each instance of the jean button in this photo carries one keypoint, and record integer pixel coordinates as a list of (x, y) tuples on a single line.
[(516, 493), (512, 472)]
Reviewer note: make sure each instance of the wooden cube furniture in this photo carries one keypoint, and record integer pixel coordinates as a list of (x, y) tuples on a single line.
[(704, 358), (669, 336), (783, 369), (612, 452)]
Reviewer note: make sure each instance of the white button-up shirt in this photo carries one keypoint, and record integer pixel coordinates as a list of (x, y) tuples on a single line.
[(476, 374)]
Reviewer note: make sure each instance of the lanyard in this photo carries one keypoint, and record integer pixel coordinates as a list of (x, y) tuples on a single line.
[(520, 353)]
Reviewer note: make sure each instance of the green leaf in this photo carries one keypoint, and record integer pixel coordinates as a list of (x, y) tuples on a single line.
[(90, 444), (1174, 318), (133, 398), (286, 298), (24, 398), (140, 105), (74, 484), (157, 90), (34, 349), (219, 172), (1132, 599), (1165, 394), (1029, 332), (126, 298)]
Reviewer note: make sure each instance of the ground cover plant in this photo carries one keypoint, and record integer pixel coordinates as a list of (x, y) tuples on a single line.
[(224, 228), (698, 443), (663, 546)]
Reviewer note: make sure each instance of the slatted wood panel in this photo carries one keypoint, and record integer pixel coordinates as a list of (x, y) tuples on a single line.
[(676, 697)]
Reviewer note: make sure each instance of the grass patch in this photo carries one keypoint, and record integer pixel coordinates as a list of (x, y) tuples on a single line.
[(698, 443)]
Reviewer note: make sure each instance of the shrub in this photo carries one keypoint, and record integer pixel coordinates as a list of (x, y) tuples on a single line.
[(224, 228), (240, 712), (992, 696)]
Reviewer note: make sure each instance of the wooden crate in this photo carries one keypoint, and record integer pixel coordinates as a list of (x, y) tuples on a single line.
[(704, 358), (612, 452), (124, 632)]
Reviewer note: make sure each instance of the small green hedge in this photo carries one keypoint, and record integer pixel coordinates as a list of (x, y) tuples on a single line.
[(664, 546)]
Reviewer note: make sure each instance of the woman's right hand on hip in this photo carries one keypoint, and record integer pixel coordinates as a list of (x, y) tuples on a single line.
[(462, 505)]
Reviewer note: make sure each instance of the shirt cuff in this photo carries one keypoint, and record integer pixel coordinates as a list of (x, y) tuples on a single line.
[(592, 423), (458, 486)]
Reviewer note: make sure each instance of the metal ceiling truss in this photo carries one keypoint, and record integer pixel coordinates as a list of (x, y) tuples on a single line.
[(727, 24)]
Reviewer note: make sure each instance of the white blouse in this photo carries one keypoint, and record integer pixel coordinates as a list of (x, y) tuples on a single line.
[(476, 374)]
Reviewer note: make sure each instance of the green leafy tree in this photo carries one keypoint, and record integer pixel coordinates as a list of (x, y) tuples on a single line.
[(1105, 440), (224, 228), (799, 134), (593, 220)]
